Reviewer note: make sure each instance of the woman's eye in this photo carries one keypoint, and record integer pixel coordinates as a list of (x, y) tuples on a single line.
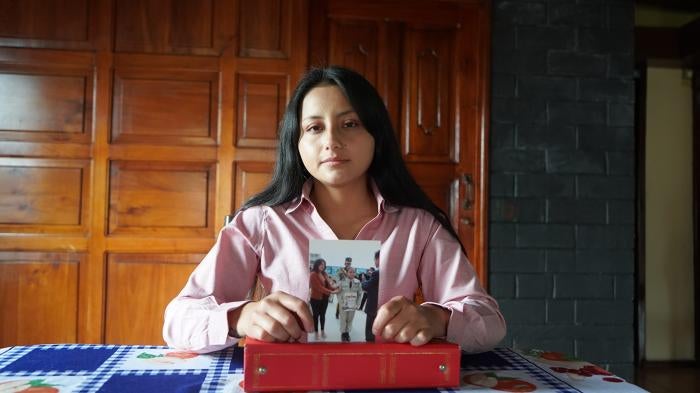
[(351, 124), (313, 128)]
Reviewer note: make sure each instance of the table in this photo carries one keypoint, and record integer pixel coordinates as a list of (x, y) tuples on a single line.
[(136, 369)]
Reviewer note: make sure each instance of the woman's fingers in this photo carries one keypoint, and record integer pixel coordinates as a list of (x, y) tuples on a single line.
[(402, 321), (278, 317)]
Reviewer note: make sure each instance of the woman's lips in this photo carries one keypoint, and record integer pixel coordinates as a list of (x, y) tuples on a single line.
[(334, 161)]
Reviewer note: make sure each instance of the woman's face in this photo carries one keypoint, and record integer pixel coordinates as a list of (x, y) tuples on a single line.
[(322, 267), (334, 145)]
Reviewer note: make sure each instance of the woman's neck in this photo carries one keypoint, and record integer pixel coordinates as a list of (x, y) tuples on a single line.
[(343, 206)]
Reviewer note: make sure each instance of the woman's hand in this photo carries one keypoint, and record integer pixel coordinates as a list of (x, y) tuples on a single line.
[(401, 320), (277, 317)]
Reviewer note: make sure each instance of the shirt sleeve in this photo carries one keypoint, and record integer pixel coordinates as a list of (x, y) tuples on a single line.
[(448, 280), (196, 319)]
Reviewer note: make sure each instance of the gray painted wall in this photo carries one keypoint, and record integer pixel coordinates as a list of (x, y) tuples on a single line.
[(562, 177)]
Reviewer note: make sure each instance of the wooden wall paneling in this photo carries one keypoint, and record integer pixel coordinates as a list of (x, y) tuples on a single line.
[(261, 103), (429, 131), (173, 104), (471, 103), (251, 178), (174, 26), (139, 287), (266, 28), (38, 289), (56, 24), (162, 198), (353, 44), (44, 195), (47, 96)]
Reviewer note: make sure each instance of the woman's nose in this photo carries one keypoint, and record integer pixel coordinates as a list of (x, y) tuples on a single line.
[(333, 139)]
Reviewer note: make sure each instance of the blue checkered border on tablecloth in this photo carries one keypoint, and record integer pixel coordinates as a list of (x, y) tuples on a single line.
[(14, 353), (217, 377), (518, 362)]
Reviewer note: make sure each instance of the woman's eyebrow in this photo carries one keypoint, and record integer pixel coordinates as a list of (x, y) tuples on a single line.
[(314, 117)]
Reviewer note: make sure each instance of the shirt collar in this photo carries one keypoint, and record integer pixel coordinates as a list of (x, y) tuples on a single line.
[(305, 200)]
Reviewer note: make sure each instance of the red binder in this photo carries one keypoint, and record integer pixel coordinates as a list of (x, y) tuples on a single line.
[(335, 366)]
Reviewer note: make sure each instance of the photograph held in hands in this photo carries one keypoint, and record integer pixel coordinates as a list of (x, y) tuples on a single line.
[(343, 287)]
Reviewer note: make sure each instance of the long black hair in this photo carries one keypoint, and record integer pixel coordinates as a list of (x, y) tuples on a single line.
[(387, 169), (317, 265)]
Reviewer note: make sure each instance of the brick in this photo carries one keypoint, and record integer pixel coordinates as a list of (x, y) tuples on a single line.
[(501, 235), (582, 286), (560, 311), (606, 138), (621, 115), (613, 90), (545, 235), (621, 65), (597, 312), (621, 212), (544, 185), (523, 311), (546, 87), (503, 36), (502, 185), (576, 211), (519, 12), (606, 41), (545, 37), (624, 287), (519, 111), (578, 161), (605, 236), (606, 187), (583, 113), (502, 85), (605, 261), (576, 64), (517, 210), (517, 160), (533, 286), (604, 349), (621, 15), (620, 163), (502, 285), (516, 260), (502, 135), (545, 137), (530, 61), (571, 14), (560, 261)]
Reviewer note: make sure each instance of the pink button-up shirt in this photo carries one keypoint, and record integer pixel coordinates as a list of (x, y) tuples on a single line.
[(273, 243)]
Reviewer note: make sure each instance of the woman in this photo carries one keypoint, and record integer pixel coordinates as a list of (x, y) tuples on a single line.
[(339, 174), (321, 289)]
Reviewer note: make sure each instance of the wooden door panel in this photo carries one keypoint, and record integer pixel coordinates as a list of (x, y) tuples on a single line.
[(429, 131), (266, 28), (261, 102), (173, 26), (353, 44), (161, 198), (251, 178), (44, 195), (139, 287), (165, 106), (45, 97), (37, 290)]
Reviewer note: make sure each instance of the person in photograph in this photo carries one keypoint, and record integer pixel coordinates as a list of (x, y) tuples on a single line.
[(371, 288), (342, 274), (339, 174), (350, 293), (321, 289)]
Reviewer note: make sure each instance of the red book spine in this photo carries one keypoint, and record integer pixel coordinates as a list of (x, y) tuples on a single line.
[(333, 366)]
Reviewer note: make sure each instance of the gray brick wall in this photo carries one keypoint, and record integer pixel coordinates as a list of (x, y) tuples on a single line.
[(562, 184)]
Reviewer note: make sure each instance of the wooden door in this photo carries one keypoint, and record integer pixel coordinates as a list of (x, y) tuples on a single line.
[(428, 59), (129, 129)]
